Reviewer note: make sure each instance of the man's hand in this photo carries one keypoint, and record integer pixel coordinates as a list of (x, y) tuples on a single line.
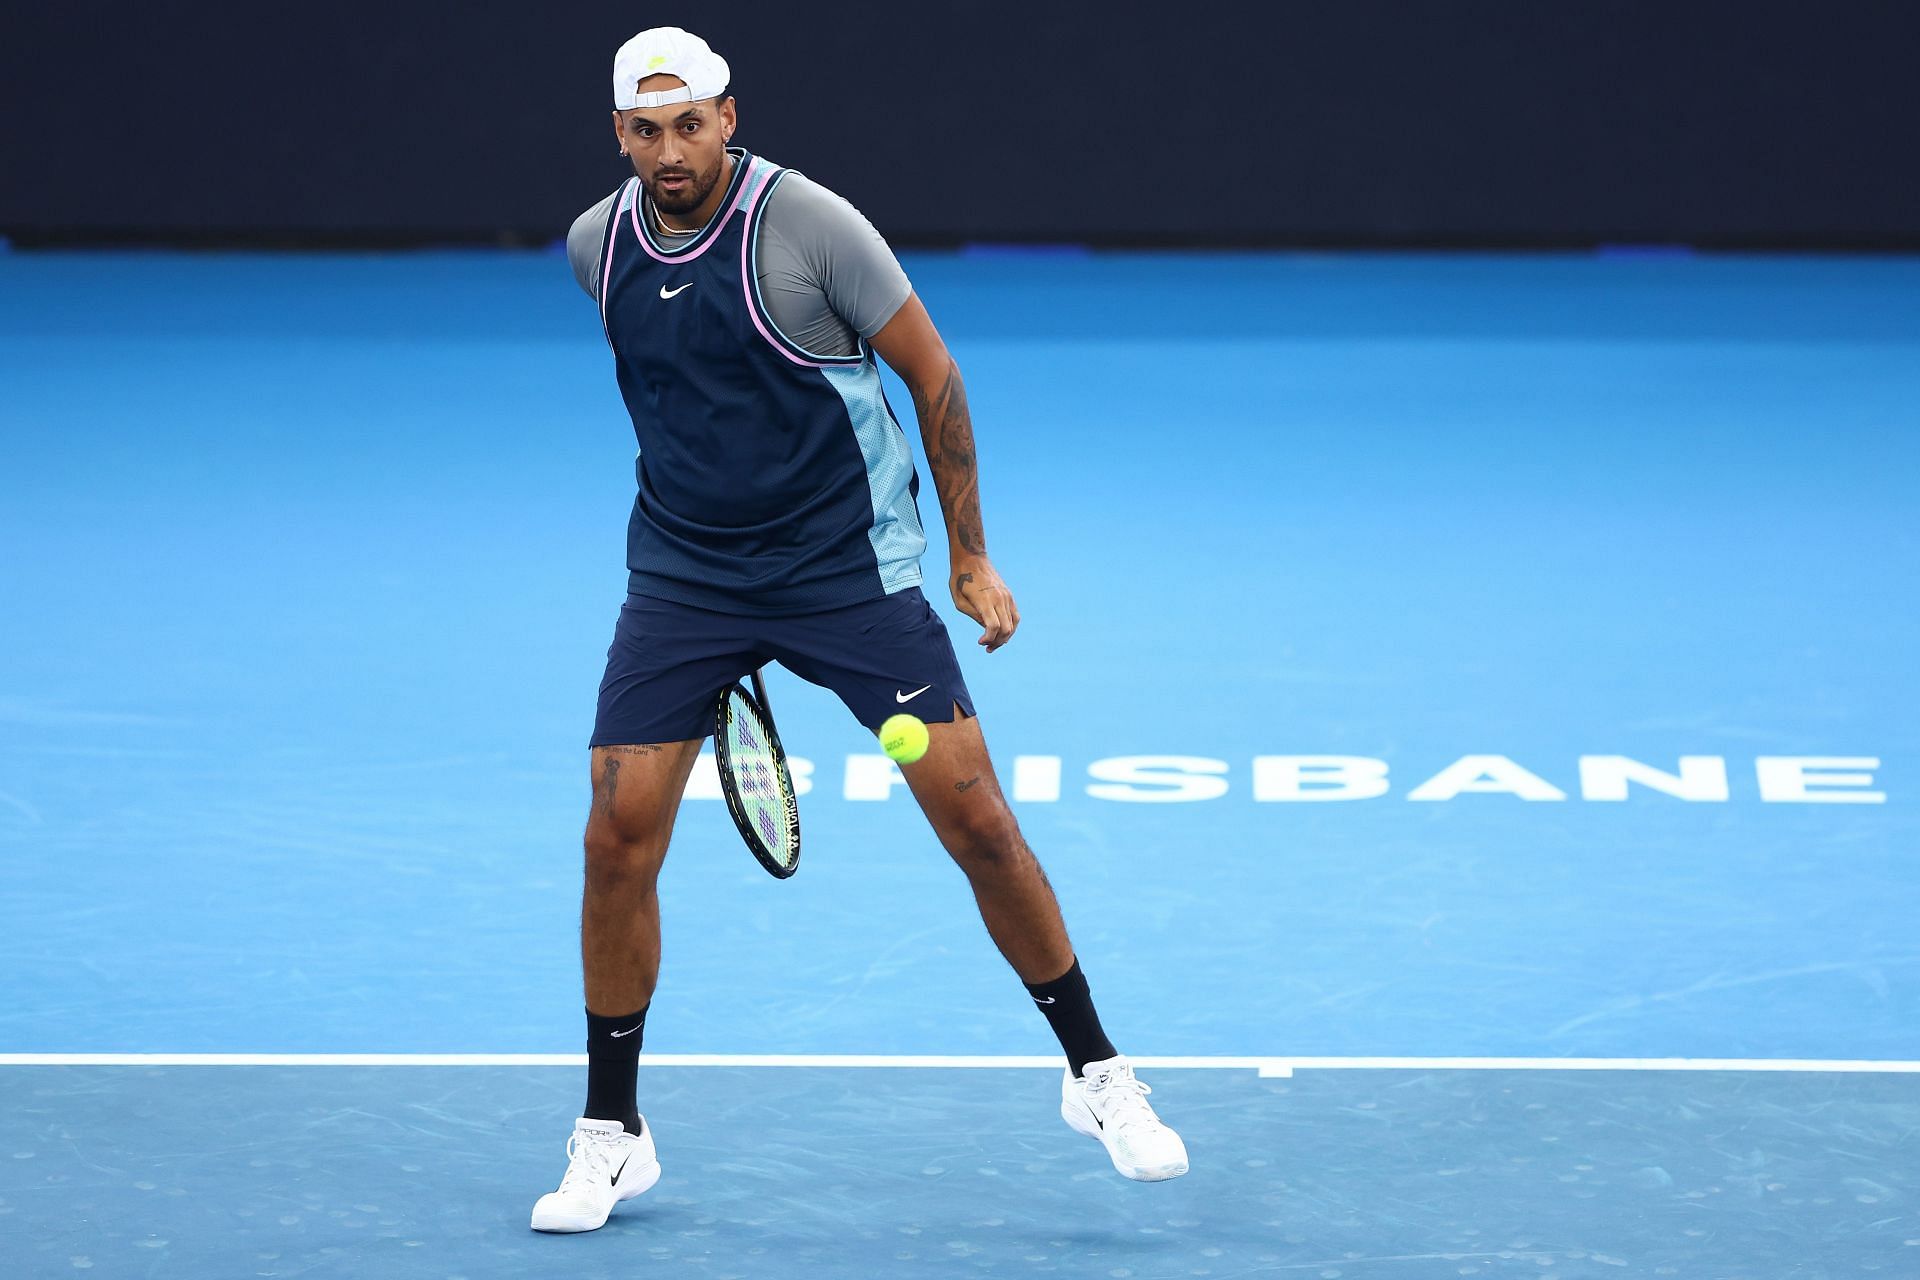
[(979, 593)]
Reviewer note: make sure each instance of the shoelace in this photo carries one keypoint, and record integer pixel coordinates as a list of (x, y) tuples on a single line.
[(1128, 1101), (589, 1152)]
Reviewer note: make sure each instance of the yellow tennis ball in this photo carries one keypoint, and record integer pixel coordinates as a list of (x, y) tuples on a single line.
[(904, 737)]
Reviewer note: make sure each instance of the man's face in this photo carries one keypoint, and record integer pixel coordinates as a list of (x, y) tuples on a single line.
[(679, 151)]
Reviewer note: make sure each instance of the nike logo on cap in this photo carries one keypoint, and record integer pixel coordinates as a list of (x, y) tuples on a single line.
[(909, 697), (670, 293)]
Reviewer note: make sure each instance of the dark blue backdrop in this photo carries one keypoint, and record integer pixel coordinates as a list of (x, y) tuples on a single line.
[(1366, 121)]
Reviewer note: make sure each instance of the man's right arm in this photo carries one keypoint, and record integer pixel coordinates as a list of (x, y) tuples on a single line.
[(584, 243)]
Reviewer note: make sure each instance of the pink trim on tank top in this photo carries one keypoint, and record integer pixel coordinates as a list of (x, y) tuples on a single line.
[(746, 284), (606, 274), (715, 228)]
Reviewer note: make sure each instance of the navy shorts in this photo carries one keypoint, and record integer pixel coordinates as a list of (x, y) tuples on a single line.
[(669, 662)]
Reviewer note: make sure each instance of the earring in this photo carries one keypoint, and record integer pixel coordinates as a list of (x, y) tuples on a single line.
[(623, 151)]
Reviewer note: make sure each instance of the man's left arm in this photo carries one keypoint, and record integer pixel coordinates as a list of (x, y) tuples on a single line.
[(912, 347)]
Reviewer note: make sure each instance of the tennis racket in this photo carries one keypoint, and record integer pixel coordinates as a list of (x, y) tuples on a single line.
[(754, 777)]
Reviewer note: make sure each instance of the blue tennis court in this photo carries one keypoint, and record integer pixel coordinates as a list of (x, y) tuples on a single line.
[(1445, 682)]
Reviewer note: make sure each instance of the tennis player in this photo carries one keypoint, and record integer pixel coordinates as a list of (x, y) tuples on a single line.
[(776, 520)]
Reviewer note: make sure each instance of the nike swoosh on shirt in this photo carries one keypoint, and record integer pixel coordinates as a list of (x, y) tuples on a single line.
[(666, 293), (909, 697)]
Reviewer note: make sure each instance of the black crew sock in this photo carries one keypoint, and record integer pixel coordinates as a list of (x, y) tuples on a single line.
[(1068, 1006), (613, 1062)]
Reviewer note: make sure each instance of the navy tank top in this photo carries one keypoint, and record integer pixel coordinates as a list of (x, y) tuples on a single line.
[(771, 480)]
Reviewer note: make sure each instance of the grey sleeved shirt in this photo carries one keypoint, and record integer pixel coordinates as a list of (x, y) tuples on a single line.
[(826, 276)]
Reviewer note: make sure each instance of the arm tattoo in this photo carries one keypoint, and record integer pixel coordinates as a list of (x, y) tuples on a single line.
[(946, 428), (962, 786)]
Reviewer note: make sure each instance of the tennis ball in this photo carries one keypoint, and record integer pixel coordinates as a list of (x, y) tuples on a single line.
[(904, 737)]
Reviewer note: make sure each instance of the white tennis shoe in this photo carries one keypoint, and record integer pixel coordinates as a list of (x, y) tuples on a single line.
[(1107, 1103), (605, 1165)]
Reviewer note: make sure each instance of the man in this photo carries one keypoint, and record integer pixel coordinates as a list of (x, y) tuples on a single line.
[(776, 520)]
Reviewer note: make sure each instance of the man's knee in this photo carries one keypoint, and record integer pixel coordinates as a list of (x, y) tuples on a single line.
[(985, 839), (622, 857), (636, 790)]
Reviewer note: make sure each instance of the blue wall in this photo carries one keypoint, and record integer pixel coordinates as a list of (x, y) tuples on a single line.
[(1363, 121)]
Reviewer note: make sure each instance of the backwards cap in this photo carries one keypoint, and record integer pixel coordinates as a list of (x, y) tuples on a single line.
[(666, 51)]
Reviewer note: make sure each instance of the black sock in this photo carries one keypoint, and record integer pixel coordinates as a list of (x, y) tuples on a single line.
[(613, 1061), (1068, 1006)]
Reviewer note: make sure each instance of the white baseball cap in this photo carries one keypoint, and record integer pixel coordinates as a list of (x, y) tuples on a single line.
[(667, 51)]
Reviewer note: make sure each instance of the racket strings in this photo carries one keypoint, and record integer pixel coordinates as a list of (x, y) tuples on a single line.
[(764, 795)]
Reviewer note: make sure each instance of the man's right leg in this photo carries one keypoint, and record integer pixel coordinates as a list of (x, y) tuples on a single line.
[(610, 1158), (666, 665), (636, 793)]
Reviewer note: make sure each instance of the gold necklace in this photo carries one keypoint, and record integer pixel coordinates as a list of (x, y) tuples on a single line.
[(666, 230)]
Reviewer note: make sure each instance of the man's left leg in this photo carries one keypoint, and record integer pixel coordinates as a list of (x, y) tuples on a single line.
[(882, 656), (957, 790), (960, 794)]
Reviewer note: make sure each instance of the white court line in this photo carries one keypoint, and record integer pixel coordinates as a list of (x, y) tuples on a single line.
[(1271, 1067)]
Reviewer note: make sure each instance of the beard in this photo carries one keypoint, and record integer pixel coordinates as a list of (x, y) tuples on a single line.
[(689, 197)]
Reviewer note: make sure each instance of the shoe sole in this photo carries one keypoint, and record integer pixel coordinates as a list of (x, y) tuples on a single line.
[(1077, 1121), (642, 1181)]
